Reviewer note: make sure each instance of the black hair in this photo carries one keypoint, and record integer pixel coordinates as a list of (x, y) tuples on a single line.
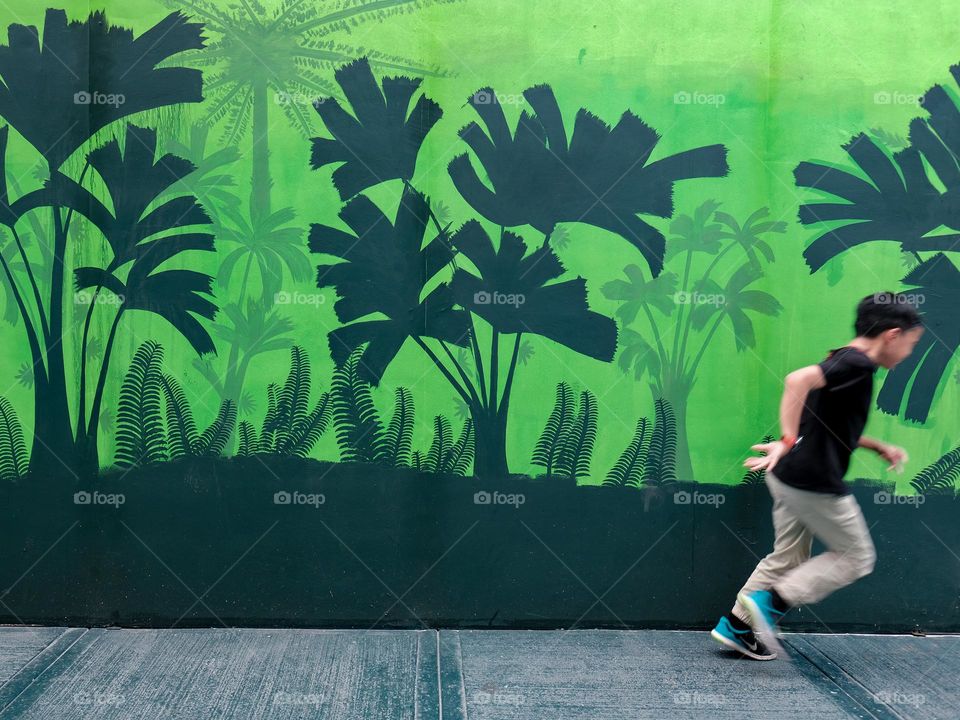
[(885, 310)]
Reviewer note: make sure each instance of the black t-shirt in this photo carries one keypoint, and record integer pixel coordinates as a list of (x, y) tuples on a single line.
[(831, 423)]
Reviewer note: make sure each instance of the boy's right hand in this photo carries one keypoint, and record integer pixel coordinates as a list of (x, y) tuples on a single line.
[(772, 452)]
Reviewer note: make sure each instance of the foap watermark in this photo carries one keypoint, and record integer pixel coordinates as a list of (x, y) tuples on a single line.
[(483, 297), (698, 698), (498, 498), (899, 698), (684, 297), (85, 297), (884, 497), (98, 698), (286, 698), (696, 97), (299, 298), (492, 695), (895, 97), (95, 497), (295, 497), (296, 98), (684, 497), (95, 97), (910, 299), (487, 97)]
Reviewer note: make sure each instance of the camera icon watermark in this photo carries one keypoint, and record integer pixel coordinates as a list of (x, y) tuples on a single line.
[(285, 297), (85, 297), (895, 97), (696, 97), (95, 97), (488, 97), (883, 497), (296, 98), (909, 299), (684, 497), (684, 297), (484, 497), (95, 497), (900, 698), (698, 698), (98, 698), (295, 497), (484, 297)]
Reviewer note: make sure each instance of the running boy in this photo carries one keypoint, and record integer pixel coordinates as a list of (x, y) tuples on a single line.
[(822, 414)]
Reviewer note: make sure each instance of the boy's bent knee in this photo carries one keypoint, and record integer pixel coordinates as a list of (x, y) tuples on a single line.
[(863, 560)]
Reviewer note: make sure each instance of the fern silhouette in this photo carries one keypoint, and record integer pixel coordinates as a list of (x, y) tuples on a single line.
[(13, 451), (268, 433), (629, 468), (940, 477), (445, 456), (756, 477), (550, 446), (579, 440), (213, 441), (294, 397), (182, 437), (359, 430), (399, 438), (249, 442), (441, 445), (661, 464), (460, 457), (140, 433), (417, 461), (181, 429), (290, 427)]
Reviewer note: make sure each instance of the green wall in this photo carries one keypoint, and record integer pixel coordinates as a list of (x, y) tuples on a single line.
[(797, 80)]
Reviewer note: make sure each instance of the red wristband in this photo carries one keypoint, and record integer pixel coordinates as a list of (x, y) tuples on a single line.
[(788, 440)]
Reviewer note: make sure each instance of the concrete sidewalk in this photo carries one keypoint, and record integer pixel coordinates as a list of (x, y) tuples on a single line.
[(54, 673)]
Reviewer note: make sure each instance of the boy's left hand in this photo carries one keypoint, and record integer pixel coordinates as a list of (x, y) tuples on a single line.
[(894, 455)]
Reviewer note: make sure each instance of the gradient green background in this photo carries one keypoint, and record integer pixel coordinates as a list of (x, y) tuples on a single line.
[(798, 79)]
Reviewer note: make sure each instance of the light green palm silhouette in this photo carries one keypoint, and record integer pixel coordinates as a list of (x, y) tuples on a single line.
[(282, 58)]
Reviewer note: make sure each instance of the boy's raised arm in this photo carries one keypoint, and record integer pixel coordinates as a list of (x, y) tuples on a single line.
[(797, 385)]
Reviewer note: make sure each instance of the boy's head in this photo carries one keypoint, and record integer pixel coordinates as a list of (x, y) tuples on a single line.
[(891, 321)]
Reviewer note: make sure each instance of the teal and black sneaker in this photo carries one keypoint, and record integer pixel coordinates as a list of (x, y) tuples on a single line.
[(763, 617), (743, 641)]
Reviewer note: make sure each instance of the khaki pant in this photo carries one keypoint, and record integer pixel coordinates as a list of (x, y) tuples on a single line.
[(798, 517)]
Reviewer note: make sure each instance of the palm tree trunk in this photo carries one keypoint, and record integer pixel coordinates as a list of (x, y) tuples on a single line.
[(89, 453), (53, 441), (490, 459), (261, 152)]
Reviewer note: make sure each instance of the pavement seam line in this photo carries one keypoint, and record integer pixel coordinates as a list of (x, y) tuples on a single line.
[(38, 672), (884, 712)]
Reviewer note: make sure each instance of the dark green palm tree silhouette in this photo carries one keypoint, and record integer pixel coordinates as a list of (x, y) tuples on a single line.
[(695, 303), (897, 197), (383, 140), (139, 213), (600, 176), (514, 293), (74, 76), (387, 268), (140, 227), (175, 295), (280, 57)]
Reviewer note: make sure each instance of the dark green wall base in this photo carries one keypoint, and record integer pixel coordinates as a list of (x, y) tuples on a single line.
[(203, 543)]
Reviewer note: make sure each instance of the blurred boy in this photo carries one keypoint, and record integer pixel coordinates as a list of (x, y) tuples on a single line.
[(822, 415)]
